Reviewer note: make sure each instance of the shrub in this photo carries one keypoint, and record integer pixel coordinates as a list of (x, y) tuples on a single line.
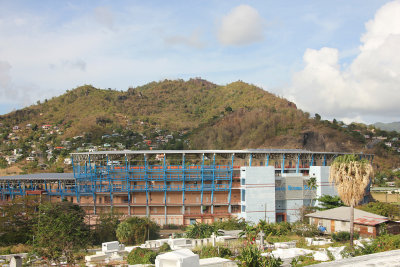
[(231, 224), (20, 248), (303, 260), (171, 226), (344, 236), (5, 250), (209, 251), (200, 230), (301, 243), (164, 248), (136, 230), (306, 230), (141, 256), (250, 256)]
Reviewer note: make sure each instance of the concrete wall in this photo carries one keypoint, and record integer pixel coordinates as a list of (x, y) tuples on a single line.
[(258, 193), (293, 207), (321, 173)]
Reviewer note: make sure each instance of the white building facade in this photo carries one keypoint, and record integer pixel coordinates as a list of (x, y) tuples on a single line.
[(274, 196)]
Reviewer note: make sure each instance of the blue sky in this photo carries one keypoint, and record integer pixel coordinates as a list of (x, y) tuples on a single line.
[(312, 52)]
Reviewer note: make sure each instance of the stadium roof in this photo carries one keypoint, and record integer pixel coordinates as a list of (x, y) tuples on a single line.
[(40, 176), (243, 151)]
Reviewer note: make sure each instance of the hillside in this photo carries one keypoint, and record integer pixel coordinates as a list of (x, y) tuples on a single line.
[(176, 114), (391, 126)]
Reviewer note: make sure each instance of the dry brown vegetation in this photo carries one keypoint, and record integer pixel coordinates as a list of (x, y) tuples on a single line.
[(238, 115)]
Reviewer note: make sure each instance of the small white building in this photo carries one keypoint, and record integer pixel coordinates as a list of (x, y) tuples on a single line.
[(30, 159)]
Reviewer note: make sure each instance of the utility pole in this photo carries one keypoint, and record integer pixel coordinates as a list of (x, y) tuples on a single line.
[(265, 211)]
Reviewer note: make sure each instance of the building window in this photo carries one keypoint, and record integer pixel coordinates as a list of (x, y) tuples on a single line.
[(370, 229), (243, 208), (242, 181), (243, 195)]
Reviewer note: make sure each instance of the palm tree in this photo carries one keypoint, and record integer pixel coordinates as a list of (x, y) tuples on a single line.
[(351, 177)]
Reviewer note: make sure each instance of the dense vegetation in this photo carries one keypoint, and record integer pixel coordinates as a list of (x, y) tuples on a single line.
[(136, 230)]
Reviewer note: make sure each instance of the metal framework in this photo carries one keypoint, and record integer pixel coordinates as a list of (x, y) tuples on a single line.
[(131, 173)]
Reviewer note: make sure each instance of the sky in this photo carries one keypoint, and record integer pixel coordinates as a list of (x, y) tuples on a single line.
[(339, 58)]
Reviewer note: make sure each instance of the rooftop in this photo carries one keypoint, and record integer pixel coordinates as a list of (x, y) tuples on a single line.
[(40, 176), (245, 151), (343, 214)]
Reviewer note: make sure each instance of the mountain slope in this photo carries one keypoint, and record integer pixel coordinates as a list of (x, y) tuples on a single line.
[(176, 114), (392, 126)]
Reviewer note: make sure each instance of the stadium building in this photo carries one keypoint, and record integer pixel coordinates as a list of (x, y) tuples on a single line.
[(186, 186)]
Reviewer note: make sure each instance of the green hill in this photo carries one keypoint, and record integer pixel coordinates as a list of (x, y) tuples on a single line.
[(173, 114)]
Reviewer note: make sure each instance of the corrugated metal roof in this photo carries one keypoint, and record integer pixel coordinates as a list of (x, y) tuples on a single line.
[(343, 214), (40, 176), (255, 151)]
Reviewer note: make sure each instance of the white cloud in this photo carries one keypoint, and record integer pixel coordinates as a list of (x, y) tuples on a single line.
[(68, 64), (5, 78), (241, 26), (104, 16), (367, 87), (193, 40), (12, 93)]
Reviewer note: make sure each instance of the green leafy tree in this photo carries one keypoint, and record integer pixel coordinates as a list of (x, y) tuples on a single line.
[(18, 220), (136, 230), (200, 230), (383, 209), (232, 223), (61, 231), (106, 227), (327, 202), (312, 183)]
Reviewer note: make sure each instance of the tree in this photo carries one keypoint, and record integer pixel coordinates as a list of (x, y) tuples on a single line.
[(317, 117), (312, 183), (60, 231), (327, 202), (18, 220), (232, 223), (136, 230), (3, 163), (106, 227), (351, 177), (200, 230), (383, 209)]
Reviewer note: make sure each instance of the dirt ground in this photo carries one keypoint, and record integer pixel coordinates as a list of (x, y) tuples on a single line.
[(13, 170)]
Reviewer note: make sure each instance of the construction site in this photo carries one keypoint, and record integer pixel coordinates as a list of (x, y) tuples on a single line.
[(182, 187)]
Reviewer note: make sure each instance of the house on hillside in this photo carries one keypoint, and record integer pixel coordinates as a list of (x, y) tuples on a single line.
[(365, 223), (388, 144), (11, 159), (46, 127), (30, 159)]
